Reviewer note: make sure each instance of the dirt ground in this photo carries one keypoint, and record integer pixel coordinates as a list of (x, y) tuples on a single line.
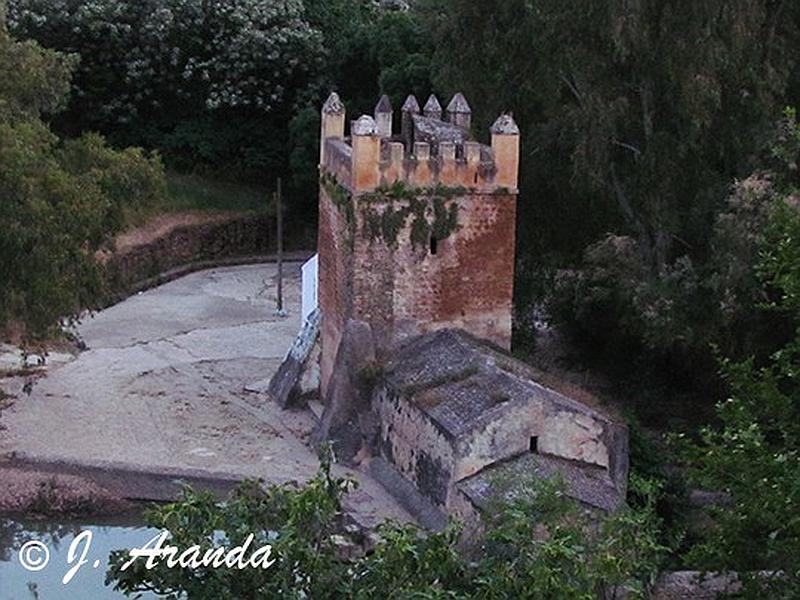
[(161, 387)]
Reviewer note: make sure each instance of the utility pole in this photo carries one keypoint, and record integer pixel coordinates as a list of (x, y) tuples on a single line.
[(279, 220)]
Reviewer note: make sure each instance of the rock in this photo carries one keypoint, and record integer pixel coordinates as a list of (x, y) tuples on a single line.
[(348, 395), (286, 386), (345, 549), (694, 585)]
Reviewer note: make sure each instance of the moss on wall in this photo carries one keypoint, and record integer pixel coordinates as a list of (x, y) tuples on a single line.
[(386, 211), (433, 211), (343, 201)]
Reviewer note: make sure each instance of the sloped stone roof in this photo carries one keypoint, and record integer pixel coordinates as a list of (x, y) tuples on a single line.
[(461, 382), (435, 130), (505, 125), (384, 105), (459, 105), (411, 104), (588, 484)]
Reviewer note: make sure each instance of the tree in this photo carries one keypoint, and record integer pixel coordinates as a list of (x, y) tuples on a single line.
[(211, 84), (58, 202), (754, 453), (538, 544), (636, 116)]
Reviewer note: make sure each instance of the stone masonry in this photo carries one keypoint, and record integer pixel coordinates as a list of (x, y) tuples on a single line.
[(416, 270), (416, 228)]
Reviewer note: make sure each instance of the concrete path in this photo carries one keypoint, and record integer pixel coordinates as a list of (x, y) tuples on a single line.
[(161, 388)]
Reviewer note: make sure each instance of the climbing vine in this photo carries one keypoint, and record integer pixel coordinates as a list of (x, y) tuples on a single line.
[(343, 201), (428, 208), (431, 214)]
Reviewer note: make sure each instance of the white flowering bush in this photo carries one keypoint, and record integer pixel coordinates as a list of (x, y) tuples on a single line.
[(231, 88), (141, 57)]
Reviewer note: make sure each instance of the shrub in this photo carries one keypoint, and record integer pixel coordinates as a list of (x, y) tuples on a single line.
[(58, 203), (540, 544)]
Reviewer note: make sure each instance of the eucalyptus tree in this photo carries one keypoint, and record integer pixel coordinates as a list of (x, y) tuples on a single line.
[(636, 117)]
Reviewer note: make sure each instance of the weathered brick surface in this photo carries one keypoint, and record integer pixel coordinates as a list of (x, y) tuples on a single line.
[(467, 284), (402, 288), (406, 290), (334, 288)]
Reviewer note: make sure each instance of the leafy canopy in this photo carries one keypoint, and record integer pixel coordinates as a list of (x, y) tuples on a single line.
[(539, 545), (59, 203)]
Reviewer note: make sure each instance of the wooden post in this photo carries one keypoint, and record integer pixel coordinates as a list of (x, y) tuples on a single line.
[(279, 219)]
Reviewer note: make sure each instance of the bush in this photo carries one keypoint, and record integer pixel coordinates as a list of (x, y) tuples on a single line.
[(680, 312), (540, 544), (59, 203)]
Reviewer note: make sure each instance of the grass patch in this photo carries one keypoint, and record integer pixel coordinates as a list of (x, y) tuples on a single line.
[(192, 192)]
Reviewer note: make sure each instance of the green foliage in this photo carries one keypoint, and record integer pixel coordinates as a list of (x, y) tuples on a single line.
[(194, 192), (212, 85), (407, 563), (141, 58), (434, 212), (230, 88), (58, 202), (539, 544), (32, 80), (298, 523), (635, 117), (754, 453), (132, 182), (678, 313)]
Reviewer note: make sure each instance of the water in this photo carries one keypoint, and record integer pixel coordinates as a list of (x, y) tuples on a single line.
[(16, 583)]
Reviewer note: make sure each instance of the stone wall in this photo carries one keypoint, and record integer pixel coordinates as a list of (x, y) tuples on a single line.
[(467, 284), (571, 435), (416, 448), (334, 291), (192, 243), (417, 229), (401, 287)]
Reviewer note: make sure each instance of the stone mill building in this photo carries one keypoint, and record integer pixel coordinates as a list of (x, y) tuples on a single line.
[(415, 296)]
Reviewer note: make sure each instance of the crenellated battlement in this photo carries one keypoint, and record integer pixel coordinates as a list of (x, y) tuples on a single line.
[(427, 151), (417, 223)]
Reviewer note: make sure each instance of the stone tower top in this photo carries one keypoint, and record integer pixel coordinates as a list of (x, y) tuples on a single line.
[(458, 111), (432, 110), (505, 125), (364, 125), (427, 152), (383, 116), (416, 227), (411, 105), (459, 105), (333, 105), (384, 105)]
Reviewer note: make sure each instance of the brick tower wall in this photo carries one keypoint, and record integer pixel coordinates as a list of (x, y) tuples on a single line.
[(402, 289), (392, 276), (334, 290)]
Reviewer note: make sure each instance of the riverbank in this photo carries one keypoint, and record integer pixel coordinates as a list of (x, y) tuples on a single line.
[(160, 390)]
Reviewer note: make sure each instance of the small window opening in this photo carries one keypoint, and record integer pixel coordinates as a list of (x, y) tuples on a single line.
[(434, 245), (534, 445), (476, 178)]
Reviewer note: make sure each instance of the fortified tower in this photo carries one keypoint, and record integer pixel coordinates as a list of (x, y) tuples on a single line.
[(416, 228)]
